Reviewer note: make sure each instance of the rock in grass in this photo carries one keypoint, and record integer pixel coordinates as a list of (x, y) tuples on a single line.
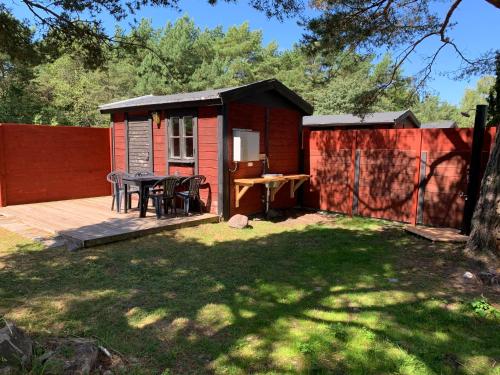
[(468, 275), (72, 356), (16, 348), (238, 221)]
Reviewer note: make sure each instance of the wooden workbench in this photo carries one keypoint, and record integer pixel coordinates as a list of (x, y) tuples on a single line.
[(241, 185)]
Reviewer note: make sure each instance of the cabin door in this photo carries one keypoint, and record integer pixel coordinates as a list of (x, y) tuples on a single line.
[(140, 157)]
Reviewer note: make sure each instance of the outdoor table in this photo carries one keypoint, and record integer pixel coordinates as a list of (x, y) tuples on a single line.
[(144, 183)]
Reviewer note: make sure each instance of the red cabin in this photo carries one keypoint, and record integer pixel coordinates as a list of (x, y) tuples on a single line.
[(193, 133)]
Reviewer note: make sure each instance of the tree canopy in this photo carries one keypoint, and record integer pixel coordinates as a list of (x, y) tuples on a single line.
[(63, 89), (355, 30)]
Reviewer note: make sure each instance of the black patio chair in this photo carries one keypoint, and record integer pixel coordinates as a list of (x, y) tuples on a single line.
[(116, 180), (163, 194), (193, 193)]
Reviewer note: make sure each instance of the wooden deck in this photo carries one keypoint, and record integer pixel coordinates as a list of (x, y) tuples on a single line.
[(90, 221), (437, 234)]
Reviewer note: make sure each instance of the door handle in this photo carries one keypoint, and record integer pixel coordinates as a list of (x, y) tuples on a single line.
[(147, 157)]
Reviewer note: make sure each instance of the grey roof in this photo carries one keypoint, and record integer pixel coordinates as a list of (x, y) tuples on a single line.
[(352, 120), (213, 96), (441, 124)]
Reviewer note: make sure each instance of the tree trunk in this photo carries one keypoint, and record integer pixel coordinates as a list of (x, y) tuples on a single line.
[(486, 218)]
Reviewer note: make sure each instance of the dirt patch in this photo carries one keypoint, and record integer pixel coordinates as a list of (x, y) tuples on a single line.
[(445, 264), (295, 216)]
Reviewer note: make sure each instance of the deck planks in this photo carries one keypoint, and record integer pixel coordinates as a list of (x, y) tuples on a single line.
[(91, 222)]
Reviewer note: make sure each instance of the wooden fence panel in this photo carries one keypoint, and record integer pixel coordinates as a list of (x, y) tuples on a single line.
[(47, 163), (407, 175), (329, 160)]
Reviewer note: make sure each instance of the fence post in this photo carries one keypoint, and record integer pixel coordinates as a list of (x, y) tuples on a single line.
[(352, 172), (421, 187), (418, 161), (3, 182), (355, 198)]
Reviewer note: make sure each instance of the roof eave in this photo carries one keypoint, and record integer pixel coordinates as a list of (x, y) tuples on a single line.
[(160, 106), (408, 114), (262, 86), (350, 124)]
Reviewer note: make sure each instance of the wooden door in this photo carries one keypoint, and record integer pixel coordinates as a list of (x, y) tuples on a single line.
[(140, 150)]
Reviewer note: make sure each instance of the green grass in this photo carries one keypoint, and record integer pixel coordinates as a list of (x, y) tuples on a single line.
[(273, 299)]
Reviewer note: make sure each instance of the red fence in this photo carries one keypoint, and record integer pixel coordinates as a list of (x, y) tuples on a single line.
[(47, 163), (408, 175)]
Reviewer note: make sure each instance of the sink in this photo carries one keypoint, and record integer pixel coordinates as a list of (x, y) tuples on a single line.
[(271, 184)]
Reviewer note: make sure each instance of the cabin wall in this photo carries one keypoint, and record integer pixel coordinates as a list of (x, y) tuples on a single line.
[(159, 148), (207, 151), (119, 138), (208, 156), (284, 149)]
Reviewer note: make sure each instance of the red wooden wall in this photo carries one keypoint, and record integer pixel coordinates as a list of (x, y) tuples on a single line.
[(283, 153), (119, 142), (46, 163), (208, 156), (386, 184), (207, 151)]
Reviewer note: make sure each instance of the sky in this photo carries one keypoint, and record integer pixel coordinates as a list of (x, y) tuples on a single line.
[(477, 31)]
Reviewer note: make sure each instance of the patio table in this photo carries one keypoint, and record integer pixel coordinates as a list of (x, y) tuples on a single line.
[(144, 183)]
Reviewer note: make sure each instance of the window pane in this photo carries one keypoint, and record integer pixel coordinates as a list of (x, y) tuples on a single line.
[(175, 150), (188, 126), (189, 147), (175, 126)]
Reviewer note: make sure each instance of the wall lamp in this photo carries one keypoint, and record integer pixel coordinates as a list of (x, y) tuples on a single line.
[(156, 119)]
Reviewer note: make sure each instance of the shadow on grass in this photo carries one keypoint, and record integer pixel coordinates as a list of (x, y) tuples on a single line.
[(316, 300)]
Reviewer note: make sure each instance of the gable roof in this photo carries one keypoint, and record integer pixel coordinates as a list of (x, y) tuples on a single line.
[(352, 120), (210, 97), (441, 124)]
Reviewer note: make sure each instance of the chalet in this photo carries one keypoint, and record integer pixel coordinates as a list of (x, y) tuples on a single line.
[(202, 133)]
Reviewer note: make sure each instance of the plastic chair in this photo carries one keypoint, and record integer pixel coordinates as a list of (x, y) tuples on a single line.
[(116, 180), (193, 192), (163, 194)]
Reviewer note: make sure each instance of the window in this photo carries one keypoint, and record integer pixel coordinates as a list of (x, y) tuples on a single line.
[(181, 138)]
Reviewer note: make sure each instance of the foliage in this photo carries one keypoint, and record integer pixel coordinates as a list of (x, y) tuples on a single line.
[(75, 26), (483, 308), (18, 101), (397, 26), (63, 89), (494, 96), (431, 108), (472, 97)]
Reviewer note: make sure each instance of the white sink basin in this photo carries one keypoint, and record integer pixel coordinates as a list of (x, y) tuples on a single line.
[(271, 184), (265, 175)]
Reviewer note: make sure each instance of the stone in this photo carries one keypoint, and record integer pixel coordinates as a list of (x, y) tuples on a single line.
[(238, 221), (468, 275), (393, 280), (16, 348), (76, 356)]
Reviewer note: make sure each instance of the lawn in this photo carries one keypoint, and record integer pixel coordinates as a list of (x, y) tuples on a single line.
[(349, 296)]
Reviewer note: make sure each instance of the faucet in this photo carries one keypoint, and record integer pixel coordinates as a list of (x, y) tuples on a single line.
[(265, 164)]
